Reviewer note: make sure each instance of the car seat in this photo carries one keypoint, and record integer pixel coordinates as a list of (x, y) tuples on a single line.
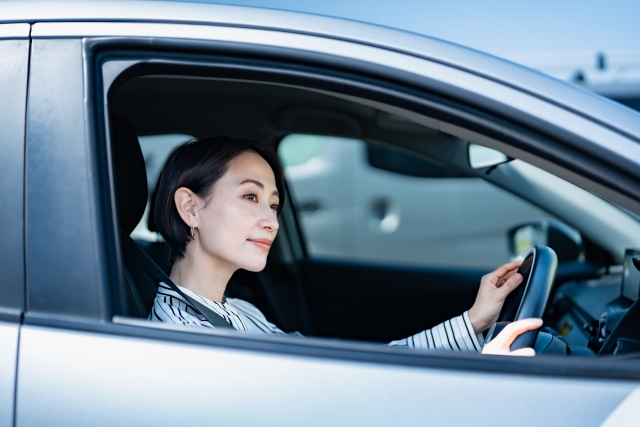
[(130, 178)]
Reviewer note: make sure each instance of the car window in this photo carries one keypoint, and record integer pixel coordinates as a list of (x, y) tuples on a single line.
[(362, 201)]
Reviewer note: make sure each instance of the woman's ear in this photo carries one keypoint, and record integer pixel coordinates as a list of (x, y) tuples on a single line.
[(187, 203)]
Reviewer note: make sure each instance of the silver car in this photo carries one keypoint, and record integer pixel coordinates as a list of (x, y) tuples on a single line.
[(75, 345)]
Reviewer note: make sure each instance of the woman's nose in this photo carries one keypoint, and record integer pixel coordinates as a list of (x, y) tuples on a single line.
[(269, 220)]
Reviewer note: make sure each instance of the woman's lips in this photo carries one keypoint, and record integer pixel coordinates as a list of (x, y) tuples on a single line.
[(263, 244)]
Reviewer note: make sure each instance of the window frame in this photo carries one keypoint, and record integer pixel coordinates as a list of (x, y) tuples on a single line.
[(14, 73), (375, 84)]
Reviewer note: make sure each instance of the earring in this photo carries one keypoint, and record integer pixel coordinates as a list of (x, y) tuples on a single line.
[(191, 230)]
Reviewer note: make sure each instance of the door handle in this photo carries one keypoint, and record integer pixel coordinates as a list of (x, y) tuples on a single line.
[(383, 217), (309, 206)]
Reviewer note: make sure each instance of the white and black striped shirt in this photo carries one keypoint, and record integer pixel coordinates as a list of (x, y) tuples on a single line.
[(168, 306)]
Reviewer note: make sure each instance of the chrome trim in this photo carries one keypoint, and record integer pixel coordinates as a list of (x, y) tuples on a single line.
[(14, 31)]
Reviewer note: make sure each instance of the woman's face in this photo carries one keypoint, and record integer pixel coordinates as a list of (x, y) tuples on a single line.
[(239, 223)]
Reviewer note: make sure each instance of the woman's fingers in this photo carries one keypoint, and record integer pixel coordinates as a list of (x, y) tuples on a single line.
[(502, 273), (494, 288), (504, 269), (502, 343), (506, 277), (510, 332), (513, 282), (523, 352)]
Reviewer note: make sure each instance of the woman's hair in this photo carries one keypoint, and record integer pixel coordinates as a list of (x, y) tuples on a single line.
[(197, 165)]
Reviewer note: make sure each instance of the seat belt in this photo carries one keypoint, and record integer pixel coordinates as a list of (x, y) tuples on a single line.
[(147, 264), (133, 297)]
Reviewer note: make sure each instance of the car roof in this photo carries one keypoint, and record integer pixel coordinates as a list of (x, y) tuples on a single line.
[(611, 114)]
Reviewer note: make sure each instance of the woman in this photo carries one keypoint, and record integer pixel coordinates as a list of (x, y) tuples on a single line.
[(217, 205)]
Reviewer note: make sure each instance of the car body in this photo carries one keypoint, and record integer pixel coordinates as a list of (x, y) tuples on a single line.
[(72, 355)]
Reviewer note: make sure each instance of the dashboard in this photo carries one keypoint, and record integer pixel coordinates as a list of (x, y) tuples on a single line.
[(586, 312)]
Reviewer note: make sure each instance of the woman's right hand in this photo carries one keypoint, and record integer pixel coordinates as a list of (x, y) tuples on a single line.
[(501, 344)]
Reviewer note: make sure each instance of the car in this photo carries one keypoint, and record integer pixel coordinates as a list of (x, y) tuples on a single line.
[(77, 347)]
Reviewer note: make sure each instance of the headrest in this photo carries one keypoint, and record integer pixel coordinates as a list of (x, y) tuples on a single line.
[(130, 174)]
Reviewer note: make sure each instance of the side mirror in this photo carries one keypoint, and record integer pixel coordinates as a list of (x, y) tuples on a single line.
[(565, 241), (483, 157)]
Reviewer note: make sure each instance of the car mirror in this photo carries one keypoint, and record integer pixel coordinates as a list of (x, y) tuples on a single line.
[(391, 159), (565, 241), (482, 157)]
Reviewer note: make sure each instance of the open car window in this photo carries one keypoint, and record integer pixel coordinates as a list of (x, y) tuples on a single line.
[(385, 214)]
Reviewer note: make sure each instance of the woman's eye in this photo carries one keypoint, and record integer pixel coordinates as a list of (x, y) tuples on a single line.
[(275, 207), (251, 197)]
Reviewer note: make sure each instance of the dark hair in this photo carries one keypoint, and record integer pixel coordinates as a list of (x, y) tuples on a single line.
[(197, 165)]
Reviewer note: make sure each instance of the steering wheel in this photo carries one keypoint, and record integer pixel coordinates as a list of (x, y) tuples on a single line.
[(530, 298)]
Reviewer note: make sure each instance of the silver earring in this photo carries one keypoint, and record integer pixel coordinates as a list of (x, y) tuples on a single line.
[(192, 230)]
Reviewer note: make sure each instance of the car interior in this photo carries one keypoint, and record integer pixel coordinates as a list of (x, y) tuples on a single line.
[(592, 304)]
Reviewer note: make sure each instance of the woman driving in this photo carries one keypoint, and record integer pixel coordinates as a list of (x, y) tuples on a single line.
[(217, 207)]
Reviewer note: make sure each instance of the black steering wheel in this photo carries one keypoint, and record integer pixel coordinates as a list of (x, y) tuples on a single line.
[(530, 298)]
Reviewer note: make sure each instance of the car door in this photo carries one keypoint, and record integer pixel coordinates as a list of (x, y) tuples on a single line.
[(425, 213), (79, 364), (14, 58)]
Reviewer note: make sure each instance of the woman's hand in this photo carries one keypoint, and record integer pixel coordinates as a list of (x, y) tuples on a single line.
[(494, 288), (501, 344)]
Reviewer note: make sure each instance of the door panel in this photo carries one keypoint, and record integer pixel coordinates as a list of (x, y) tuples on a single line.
[(71, 378), (383, 303), (68, 264), (409, 210)]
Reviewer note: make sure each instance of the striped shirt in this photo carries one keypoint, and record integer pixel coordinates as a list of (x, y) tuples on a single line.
[(168, 306)]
